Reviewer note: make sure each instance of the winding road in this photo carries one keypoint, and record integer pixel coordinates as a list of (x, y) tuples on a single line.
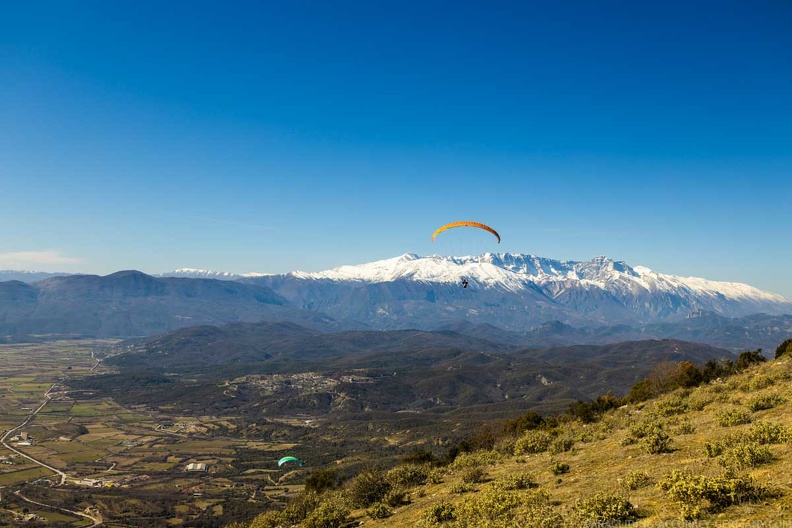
[(96, 518)]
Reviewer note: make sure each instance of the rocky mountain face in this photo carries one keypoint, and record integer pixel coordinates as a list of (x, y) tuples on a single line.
[(512, 291)]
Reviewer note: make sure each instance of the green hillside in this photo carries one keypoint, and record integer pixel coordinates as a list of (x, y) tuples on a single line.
[(713, 449)]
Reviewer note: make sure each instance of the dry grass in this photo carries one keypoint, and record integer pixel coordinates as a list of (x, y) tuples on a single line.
[(599, 462)]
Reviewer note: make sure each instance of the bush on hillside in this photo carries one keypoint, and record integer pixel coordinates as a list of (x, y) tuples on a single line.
[(768, 433), (558, 468), (561, 444), (588, 412), (759, 382), (408, 475), (379, 510), (685, 427), (476, 458), (764, 402), (605, 507), (636, 480), (507, 509), (368, 487), (515, 482), (670, 405), (657, 442), (784, 348), (438, 513), (732, 417), (473, 475), (699, 494), (745, 455), (329, 514), (324, 479), (531, 442)]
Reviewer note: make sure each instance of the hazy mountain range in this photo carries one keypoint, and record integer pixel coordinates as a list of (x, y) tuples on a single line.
[(538, 301)]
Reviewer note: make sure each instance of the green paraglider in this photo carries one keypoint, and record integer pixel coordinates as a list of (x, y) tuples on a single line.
[(289, 459)]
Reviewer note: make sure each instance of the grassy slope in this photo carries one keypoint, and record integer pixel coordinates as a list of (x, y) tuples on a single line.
[(599, 465)]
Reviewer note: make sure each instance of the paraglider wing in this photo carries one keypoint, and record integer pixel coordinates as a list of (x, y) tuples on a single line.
[(466, 224), (289, 459)]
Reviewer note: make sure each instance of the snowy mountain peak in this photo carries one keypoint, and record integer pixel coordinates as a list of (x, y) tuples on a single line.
[(193, 273), (517, 272)]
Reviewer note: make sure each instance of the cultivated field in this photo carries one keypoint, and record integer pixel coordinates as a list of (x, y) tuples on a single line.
[(126, 464)]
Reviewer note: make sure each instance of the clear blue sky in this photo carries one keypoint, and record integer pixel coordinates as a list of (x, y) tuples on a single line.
[(269, 136)]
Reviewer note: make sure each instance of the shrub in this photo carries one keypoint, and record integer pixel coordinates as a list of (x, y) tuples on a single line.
[(749, 358), (671, 405), (379, 510), (322, 480), (299, 508), (589, 412), (439, 513), (473, 475), (462, 487), (605, 507), (646, 427), (698, 494), (559, 468), (637, 480), (698, 401), (561, 445), (367, 488), (419, 457), (396, 497), (535, 441), (507, 509), (764, 401), (745, 455), (731, 417), (435, 476), (475, 458), (768, 433), (657, 442), (759, 382), (490, 504), (329, 514), (783, 348), (514, 482), (685, 427), (408, 475), (713, 449)]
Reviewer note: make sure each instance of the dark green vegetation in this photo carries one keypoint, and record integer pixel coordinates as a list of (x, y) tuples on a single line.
[(405, 379)]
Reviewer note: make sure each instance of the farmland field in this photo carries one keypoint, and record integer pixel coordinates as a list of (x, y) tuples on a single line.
[(102, 446)]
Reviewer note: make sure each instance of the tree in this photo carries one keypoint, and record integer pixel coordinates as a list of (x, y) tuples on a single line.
[(783, 348)]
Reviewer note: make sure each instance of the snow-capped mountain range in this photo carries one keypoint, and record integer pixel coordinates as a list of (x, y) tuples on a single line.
[(509, 290)]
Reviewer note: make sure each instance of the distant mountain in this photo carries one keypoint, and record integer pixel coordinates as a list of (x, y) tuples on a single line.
[(28, 276), (512, 291), (129, 303), (539, 301), (191, 273)]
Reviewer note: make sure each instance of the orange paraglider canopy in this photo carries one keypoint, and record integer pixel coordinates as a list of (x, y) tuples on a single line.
[(466, 224)]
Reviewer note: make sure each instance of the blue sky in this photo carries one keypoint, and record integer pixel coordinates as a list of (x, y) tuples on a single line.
[(269, 137)]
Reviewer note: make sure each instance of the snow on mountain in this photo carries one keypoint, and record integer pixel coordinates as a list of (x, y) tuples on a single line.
[(516, 272), (191, 273), (515, 290), (508, 290), (28, 276)]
